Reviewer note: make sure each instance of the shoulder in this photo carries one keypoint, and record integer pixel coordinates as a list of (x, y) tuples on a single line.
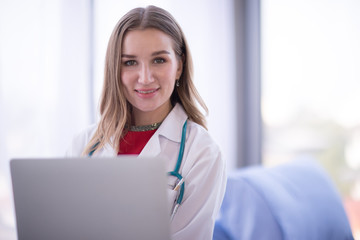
[(202, 150), (200, 137), (199, 145), (80, 140)]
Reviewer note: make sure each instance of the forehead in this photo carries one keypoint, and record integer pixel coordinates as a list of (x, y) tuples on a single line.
[(146, 40)]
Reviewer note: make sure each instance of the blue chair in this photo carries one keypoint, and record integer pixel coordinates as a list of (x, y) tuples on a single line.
[(292, 201)]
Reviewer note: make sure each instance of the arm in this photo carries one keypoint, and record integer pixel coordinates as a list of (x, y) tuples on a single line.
[(205, 181)]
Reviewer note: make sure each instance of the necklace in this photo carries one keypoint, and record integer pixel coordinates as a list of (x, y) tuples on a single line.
[(145, 128)]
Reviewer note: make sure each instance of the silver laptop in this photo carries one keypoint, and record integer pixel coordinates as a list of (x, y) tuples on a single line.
[(120, 198)]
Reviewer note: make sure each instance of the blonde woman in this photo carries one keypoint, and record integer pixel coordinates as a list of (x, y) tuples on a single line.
[(149, 107)]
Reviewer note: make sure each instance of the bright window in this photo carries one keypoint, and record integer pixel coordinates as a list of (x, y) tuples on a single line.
[(310, 93), (43, 85)]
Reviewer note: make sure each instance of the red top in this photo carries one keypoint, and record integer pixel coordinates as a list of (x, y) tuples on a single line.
[(134, 142)]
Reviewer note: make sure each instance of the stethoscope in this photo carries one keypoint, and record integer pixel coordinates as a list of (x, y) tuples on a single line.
[(180, 185)]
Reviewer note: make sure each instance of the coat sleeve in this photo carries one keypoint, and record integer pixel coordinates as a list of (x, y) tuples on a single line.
[(205, 182)]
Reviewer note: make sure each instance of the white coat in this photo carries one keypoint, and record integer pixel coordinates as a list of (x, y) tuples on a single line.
[(202, 168)]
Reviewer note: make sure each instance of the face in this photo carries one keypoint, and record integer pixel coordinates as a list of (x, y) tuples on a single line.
[(149, 68)]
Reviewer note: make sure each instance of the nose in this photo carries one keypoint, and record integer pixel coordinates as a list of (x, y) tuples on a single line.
[(145, 75)]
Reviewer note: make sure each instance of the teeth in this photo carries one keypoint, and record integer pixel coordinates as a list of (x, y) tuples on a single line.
[(150, 91)]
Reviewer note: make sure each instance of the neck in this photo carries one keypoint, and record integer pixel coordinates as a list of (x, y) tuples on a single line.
[(141, 118)]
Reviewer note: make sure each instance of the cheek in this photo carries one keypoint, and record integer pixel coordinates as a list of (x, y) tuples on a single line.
[(167, 79), (126, 78), (170, 74)]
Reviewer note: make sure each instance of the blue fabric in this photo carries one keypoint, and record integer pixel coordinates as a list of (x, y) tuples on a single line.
[(291, 201)]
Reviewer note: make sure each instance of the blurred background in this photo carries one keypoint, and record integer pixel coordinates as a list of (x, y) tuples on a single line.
[(281, 78)]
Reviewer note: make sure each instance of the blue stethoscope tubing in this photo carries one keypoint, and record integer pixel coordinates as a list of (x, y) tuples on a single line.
[(174, 173)]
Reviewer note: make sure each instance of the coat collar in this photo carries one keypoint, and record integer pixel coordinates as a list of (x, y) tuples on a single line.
[(171, 128)]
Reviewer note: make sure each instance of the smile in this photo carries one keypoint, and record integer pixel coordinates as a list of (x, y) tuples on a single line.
[(146, 91)]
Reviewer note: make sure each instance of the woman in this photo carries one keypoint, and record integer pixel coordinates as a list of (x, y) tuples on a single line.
[(148, 100)]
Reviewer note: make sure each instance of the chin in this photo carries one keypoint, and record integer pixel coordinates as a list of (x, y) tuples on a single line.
[(147, 108), (152, 107)]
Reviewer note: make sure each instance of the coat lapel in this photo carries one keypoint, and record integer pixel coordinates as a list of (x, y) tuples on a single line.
[(171, 129)]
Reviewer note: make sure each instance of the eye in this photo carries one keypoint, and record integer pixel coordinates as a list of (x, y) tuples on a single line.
[(159, 60), (130, 63)]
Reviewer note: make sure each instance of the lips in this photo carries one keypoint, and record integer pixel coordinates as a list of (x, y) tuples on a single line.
[(146, 91)]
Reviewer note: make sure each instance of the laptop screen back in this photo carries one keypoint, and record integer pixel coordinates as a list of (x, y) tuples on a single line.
[(120, 198)]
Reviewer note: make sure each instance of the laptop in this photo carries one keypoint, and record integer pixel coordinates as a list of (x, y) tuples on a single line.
[(90, 198)]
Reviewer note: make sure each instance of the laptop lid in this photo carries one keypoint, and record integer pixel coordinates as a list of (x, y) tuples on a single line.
[(82, 198)]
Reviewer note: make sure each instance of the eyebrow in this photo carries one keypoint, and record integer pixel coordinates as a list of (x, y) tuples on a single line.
[(160, 52), (153, 54), (127, 56)]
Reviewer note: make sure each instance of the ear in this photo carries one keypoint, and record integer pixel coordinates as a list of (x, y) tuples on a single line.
[(180, 66)]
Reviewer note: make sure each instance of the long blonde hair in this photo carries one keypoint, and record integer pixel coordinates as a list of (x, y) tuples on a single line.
[(115, 110)]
